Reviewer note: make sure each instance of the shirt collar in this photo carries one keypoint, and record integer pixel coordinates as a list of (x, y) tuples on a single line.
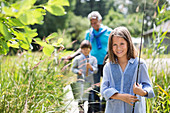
[(85, 56), (132, 60)]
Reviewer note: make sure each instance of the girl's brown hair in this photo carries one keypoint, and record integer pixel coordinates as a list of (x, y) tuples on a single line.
[(124, 33)]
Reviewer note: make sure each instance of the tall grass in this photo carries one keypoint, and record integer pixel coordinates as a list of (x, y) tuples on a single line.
[(31, 83), (159, 74)]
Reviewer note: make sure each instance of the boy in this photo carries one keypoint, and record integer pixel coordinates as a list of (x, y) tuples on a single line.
[(85, 65)]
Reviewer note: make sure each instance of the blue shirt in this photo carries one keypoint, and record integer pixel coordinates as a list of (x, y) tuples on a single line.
[(117, 81), (79, 63), (99, 53)]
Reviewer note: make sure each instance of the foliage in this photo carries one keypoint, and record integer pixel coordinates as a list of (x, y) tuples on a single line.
[(74, 34), (132, 21), (158, 71), (32, 82), (15, 19), (160, 77)]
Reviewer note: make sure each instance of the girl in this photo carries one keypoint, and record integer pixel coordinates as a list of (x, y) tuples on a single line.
[(119, 76)]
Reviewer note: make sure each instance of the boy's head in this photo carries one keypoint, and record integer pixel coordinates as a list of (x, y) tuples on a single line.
[(85, 47), (85, 44)]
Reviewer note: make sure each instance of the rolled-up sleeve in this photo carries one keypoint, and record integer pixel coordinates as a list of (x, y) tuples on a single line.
[(74, 67), (145, 80), (106, 89)]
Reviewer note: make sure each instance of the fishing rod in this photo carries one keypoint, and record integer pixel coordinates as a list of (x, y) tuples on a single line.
[(140, 52)]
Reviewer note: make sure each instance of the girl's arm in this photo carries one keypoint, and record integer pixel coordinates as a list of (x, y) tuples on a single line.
[(145, 87), (125, 97), (107, 89)]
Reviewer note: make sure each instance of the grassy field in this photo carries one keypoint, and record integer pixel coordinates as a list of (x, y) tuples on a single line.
[(32, 82)]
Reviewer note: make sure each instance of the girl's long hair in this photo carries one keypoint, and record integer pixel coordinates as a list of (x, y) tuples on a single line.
[(124, 33)]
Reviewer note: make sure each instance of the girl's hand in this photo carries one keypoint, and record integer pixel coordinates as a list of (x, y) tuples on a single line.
[(130, 99), (137, 89)]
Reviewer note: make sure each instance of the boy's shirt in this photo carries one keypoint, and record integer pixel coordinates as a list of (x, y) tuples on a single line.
[(79, 63)]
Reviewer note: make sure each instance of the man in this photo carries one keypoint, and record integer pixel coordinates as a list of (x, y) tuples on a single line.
[(98, 36)]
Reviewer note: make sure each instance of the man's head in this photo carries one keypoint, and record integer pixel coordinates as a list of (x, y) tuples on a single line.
[(95, 19), (85, 47)]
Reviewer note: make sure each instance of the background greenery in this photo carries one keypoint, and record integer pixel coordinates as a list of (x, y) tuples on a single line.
[(31, 81)]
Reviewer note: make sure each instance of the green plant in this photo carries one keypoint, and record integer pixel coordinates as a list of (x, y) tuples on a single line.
[(32, 82), (15, 19)]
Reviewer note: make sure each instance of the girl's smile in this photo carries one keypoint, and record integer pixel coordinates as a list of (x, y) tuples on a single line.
[(120, 47)]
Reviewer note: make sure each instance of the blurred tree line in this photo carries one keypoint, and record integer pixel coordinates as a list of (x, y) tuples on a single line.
[(72, 26)]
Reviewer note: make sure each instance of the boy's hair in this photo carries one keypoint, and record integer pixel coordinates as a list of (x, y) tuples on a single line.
[(85, 44), (124, 33), (94, 15)]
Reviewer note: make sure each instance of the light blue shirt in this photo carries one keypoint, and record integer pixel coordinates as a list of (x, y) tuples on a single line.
[(99, 53), (117, 81), (79, 63)]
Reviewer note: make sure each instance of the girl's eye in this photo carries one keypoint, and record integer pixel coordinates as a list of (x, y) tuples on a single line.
[(122, 44), (114, 44)]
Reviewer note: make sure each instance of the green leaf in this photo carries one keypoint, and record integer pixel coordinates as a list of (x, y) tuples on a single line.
[(15, 22), (4, 31), (30, 32), (10, 11), (33, 16), (48, 50), (3, 47), (13, 43), (163, 36), (60, 40), (41, 43), (55, 10), (53, 35), (59, 2), (163, 90), (23, 5), (158, 10), (24, 45)]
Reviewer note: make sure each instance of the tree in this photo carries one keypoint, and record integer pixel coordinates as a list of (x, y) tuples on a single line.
[(15, 21)]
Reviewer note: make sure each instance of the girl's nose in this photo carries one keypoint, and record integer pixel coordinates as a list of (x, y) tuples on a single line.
[(118, 47)]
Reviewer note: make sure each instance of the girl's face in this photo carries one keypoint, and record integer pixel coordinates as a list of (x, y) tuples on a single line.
[(85, 51), (120, 47)]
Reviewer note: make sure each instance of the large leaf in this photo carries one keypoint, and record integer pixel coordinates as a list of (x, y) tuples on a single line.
[(59, 2), (4, 31), (32, 16), (48, 50), (30, 32), (55, 9), (18, 8), (53, 35), (15, 22), (23, 5), (10, 11), (41, 43)]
